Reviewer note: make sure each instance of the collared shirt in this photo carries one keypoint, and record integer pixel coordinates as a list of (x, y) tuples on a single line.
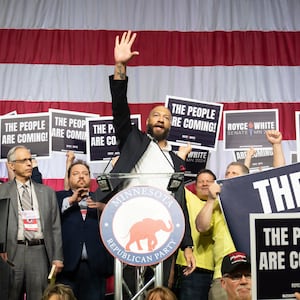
[(38, 234)]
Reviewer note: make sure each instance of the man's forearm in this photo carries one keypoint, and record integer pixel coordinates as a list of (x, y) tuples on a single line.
[(120, 71), (278, 156)]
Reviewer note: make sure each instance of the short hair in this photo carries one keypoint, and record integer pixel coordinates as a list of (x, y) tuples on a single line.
[(160, 292), (64, 292), (11, 155), (244, 168), (206, 171), (78, 162)]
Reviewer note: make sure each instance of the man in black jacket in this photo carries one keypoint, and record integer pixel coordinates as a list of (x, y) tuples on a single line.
[(144, 152)]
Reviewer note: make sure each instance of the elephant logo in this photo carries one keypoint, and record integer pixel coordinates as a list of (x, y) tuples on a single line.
[(142, 225), (146, 229)]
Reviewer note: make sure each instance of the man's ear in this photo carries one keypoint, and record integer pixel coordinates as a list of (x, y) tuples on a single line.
[(10, 166), (223, 283), (10, 170), (147, 121)]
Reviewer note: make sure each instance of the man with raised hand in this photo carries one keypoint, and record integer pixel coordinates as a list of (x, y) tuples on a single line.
[(144, 152)]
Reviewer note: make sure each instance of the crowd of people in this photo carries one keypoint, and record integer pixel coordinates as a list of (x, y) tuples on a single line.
[(61, 229)]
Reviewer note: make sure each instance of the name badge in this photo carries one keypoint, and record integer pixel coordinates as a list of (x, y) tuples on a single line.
[(30, 218)]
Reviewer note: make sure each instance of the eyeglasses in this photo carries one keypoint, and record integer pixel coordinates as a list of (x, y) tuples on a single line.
[(22, 161), (238, 276)]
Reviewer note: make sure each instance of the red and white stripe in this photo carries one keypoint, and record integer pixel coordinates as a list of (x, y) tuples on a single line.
[(59, 54)]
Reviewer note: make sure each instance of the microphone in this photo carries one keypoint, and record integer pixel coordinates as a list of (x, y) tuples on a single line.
[(175, 182), (104, 183), (103, 180)]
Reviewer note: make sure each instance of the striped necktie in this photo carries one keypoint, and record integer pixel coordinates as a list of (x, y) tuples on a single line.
[(27, 205)]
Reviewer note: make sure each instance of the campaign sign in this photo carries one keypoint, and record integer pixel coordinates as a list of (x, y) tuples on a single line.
[(142, 226), (261, 160), (194, 121), (195, 161), (275, 255), (68, 130), (12, 113), (102, 142), (270, 191), (246, 128), (29, 130)]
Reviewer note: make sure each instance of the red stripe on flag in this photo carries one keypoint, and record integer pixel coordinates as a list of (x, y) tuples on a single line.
[(169, 48)]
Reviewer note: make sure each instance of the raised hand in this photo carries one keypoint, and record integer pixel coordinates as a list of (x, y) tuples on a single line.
[(183, 151), (122, 49), (214, 190), (274, 136)]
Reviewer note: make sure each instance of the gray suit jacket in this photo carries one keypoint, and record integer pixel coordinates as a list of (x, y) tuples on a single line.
[(49, 215)]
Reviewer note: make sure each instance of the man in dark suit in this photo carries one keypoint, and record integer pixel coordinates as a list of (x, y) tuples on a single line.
[(32, 257), (144, 152), (87, 263)]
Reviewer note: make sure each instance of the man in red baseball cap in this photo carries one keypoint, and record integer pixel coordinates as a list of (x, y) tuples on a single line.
[(236, 276)]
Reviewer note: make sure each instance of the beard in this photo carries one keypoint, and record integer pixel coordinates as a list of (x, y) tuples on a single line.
[(159, 137), (82, 184)]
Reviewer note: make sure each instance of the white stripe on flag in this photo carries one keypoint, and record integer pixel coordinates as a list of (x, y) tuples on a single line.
[(150, 84)]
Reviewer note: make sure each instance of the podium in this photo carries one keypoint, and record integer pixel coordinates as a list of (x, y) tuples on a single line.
[(141, 226)]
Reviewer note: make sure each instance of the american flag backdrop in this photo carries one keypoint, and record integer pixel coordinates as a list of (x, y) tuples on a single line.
[(242, 53)]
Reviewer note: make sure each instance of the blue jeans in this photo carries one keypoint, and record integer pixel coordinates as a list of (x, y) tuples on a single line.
[(195, 286)]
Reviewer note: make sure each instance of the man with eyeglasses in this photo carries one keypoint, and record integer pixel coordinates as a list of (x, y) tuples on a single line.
[(36, 174), (236, 276), (34, 240)]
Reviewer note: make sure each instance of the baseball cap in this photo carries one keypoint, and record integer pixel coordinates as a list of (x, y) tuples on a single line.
[(233, 260)]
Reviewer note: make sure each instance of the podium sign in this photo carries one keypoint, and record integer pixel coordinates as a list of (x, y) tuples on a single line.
[(142, 225)]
